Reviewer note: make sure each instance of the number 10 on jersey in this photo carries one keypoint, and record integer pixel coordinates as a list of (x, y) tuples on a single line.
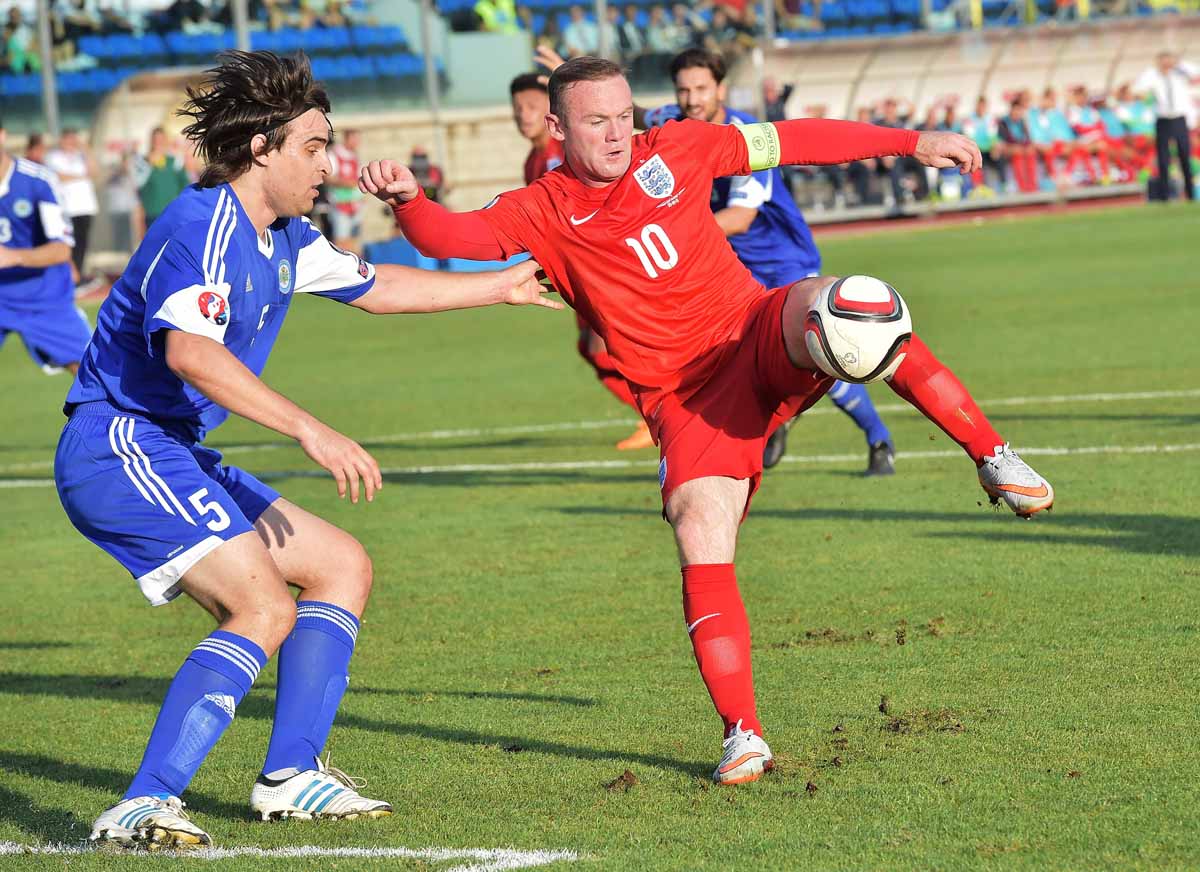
[(654, 250)]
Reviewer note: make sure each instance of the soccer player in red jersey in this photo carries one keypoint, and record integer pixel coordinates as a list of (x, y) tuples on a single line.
[(530, 105), (624, 231)]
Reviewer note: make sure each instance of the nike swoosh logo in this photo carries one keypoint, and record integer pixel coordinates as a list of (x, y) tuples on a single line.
[(578, 221), (696, 623), (1035, 492)]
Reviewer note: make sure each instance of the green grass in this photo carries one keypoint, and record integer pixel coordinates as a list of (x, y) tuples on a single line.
[(524, 644)]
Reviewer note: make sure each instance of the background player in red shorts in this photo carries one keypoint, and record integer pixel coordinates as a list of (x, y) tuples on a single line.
[(530, 105), (623, 229)]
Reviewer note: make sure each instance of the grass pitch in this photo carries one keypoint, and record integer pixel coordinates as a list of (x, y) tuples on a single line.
[(946, 687)]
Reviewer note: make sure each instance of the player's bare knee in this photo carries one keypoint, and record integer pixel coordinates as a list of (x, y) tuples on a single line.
[(360, 572)]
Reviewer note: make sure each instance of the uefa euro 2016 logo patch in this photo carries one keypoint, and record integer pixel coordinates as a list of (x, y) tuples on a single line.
[(285, 277), (22, 208), (213, 308), (656, 178)]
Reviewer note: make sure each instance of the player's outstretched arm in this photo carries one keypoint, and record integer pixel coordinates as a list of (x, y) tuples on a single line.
[(42, 256), (401, 289), (210, 368)]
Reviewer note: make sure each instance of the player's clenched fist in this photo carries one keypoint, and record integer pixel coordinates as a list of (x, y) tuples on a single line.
[(943, 149), (391, 182)]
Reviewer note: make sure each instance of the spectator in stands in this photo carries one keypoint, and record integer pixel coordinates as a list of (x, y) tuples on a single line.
[(1090, 133), (835, 174), (1014, 132), (21, 50), (775, 97), (663, 35), (551, 35), (1053, 137), (1139, 120), (346, 200), (124, 220), (112, 20), (497, 16), (904, 173), (723, 33), (632, 39), (76, 169), (861, 171), (580, 36), (428, 174), (160, 176), (610, 27), (35, 148), (691, 25), (981, 126), (72, 19), (1170, 83)]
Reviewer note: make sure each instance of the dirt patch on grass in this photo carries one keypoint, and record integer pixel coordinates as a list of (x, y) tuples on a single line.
[(622, 782), (925, 721)]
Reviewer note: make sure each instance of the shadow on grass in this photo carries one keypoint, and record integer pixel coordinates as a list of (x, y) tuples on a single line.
[(260, 706), (1137, 534), (483, 474), (42, 823), (36, 645)]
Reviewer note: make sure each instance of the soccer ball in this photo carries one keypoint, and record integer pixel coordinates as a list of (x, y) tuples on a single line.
[(857, 329)]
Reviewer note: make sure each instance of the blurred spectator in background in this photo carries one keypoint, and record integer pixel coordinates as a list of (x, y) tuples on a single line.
[(723, 33), (20, 47), (345, 199), (35, 148), (835, 174), (580, 36), (428, 174), (72, 19), (1090, 133), (76, 170), (124, 218), (1138, 117), (663, 35), (497, 16), (1014, 132), (632, 39), (113, 20), (1052, 136), (160, 176), (775, 97), (904, 173), (610, 27), (1170, 83), (691, 25), (861, 171), (981, 126)]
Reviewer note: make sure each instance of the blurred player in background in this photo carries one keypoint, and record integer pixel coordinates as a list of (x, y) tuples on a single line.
[(37, 293), (530, 104), (625, 232), (767, 232), (181, 341)]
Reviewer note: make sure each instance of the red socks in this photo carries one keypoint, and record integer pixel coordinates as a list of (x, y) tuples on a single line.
[(925, 382), (720, 633)]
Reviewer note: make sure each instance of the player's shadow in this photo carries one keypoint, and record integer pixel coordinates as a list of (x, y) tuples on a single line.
[(51, 823), (42, 823), (479, 477), (258, 705), (36, 645), (1162, 419), (1137, 534), (508, 696)]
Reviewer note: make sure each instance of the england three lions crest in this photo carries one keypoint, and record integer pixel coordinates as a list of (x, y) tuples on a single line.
[(655, 178)]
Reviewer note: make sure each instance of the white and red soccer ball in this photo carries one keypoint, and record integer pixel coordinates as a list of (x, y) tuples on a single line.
[(857, 329)]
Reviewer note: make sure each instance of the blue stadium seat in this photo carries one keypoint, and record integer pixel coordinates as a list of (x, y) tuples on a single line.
[(399, 251)]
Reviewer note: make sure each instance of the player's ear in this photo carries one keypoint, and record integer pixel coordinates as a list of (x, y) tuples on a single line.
[(258, 145), (556, 127)]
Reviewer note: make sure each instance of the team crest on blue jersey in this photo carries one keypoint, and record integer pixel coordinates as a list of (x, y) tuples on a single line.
[(213, 308), (656, 178), (22, 208), (285, 276)]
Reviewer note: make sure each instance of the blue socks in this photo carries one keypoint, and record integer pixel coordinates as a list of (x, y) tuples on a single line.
[(199, 706), (313, 664), (856, 402)]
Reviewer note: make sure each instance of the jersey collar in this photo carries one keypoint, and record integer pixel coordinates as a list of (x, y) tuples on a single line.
[(4, 182)]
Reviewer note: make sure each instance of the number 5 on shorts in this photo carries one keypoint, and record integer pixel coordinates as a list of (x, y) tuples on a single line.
[(217, 524)]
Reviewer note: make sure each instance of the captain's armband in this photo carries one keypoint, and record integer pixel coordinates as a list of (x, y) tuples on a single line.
[(762, 140)]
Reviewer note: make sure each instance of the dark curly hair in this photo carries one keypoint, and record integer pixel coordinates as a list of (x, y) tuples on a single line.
[(247, 93)]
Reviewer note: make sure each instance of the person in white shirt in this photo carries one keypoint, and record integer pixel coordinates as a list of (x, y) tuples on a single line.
[(75, 170), (1170, 83)]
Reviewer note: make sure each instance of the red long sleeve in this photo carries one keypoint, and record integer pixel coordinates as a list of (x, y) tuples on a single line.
[(822, 141), (437, 232)]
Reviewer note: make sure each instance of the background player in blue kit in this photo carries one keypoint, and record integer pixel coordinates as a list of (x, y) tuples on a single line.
[(180, 343), (37, 294), (767, 232)]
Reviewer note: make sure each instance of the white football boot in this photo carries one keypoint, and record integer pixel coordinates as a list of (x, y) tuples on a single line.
[(320, 793), (148, 822), (1005, 476), (746, 757)]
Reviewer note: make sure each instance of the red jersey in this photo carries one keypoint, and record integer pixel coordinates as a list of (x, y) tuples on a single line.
[(642, 259), (541, 160)]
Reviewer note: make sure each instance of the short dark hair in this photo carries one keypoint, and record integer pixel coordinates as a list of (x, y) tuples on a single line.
[(581, 69), (526, 82), (248, 93), (699, 58)]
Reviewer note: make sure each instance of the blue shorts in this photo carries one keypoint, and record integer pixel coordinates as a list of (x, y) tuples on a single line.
[(54, 336), (156, 502)]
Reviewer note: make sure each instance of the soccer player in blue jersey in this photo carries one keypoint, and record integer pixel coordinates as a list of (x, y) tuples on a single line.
[(180, 344), (767, 231), (37, 293)]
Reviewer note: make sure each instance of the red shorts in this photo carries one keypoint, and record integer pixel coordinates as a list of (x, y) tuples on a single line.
[(722, 428)]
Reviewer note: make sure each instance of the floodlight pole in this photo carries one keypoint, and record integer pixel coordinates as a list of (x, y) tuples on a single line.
[(49, 84), (432, 86), (241, 23)]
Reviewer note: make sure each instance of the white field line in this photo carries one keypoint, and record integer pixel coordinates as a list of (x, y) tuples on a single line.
[(482, 859), (645, 463), (613, 423)]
